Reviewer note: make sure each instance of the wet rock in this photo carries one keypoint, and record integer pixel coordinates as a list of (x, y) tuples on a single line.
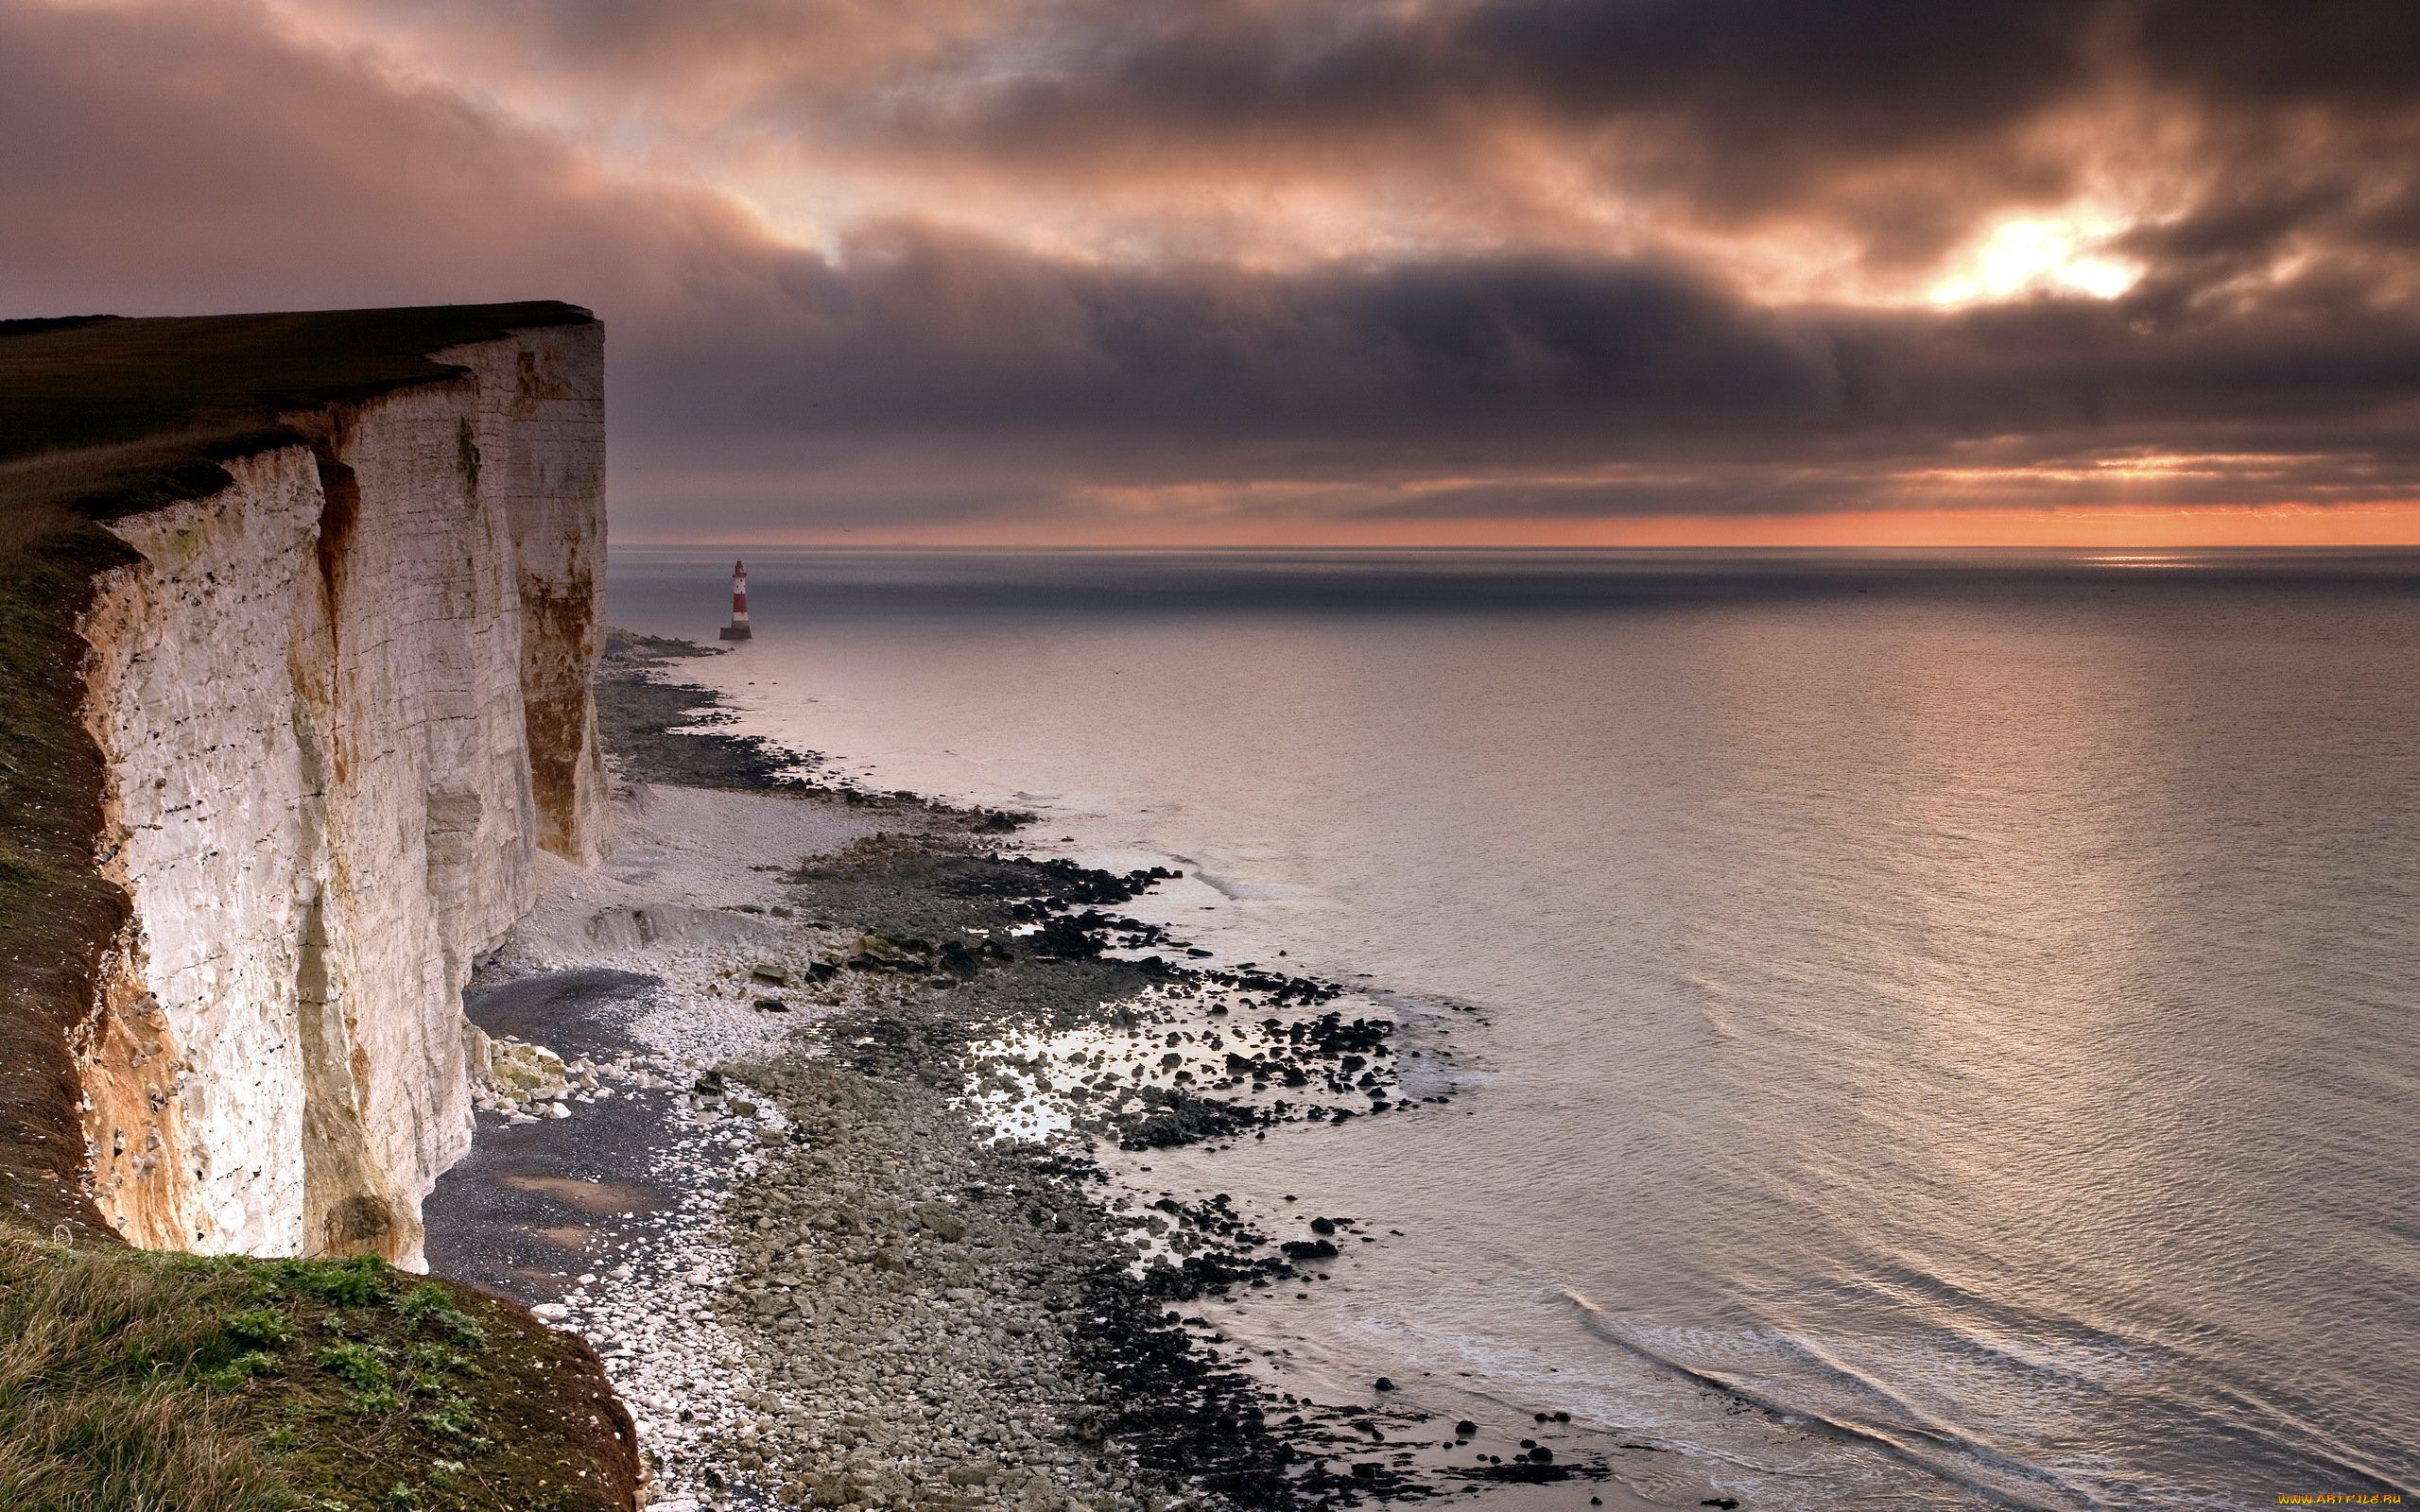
[(893, 1311)]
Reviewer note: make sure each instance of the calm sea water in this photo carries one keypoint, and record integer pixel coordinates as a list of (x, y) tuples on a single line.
[(1962, 1005)]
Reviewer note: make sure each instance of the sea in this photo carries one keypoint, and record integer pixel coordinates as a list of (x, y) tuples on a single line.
[(1936, 1030)]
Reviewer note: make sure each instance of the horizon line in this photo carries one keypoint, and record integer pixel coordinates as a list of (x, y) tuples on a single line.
[(2204, 527)]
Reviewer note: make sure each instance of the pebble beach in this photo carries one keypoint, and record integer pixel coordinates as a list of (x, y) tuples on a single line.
[(828, 1117)]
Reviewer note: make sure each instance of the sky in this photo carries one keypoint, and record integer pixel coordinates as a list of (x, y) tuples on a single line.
[(1372, 272)]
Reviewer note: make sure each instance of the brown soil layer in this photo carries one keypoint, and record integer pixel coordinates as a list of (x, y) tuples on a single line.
[(57, 916)]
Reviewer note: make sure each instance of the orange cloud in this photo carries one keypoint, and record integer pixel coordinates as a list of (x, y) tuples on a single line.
[(2274, 526)]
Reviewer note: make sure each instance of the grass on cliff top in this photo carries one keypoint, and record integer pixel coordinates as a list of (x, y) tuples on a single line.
[(100, 380), (48, 767), (110, 416), (135, 1381)]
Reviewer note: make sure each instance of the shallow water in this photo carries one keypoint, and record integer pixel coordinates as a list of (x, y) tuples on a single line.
[(1962, 1007)]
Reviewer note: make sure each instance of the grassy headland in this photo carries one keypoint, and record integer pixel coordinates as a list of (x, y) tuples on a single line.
[(143, 1382)]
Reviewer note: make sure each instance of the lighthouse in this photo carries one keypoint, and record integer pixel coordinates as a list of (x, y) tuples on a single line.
[(737, 628)]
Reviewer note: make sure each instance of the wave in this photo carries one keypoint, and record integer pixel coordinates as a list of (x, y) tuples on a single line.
[(1972, 1474), (1242, 891), (1228, 886), (2048, 1346)]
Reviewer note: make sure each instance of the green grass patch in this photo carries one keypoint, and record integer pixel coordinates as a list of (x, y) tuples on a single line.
[(134, 1381)]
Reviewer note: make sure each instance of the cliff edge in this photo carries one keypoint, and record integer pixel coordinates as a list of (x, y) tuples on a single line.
[(301, 612)]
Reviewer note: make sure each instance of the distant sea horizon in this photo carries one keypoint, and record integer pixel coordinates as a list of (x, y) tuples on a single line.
[(1949, 1033)]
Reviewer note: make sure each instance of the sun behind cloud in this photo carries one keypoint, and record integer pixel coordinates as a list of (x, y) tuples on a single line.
[(2028, 255)]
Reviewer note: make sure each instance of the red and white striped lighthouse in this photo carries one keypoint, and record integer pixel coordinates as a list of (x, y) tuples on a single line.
[(737, 628)]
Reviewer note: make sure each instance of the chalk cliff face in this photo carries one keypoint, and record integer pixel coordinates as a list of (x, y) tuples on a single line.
[(343, 702)]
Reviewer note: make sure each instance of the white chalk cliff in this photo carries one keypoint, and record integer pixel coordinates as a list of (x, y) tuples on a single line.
[(344, 703)]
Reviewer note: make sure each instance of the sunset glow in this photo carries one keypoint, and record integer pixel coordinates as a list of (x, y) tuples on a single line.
[(2268, 525), (1504, 270)]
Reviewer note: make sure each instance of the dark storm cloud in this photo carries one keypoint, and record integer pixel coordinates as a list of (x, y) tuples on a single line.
[(1751, 78), (1901, 123), (2329, 53), (181, 158), (1727, 109), (920, 330), (1550, 387), (1771, 90)]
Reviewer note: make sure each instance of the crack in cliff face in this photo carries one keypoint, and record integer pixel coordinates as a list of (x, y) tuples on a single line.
[(559, 634), (346, 1209), (340, 512), (466, 449), (561, 554), (343, 1210)]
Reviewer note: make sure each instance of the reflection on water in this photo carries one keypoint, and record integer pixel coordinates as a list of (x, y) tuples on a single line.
[(1963, 1004)]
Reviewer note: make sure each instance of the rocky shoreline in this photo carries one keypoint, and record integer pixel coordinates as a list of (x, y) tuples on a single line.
[(821, 1175)]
